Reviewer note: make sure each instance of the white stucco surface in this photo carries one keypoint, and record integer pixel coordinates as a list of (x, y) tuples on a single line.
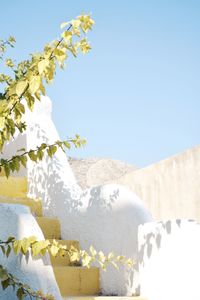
[(106, 217), (10, 149), (170, 188), (17, 221), (169, 261)]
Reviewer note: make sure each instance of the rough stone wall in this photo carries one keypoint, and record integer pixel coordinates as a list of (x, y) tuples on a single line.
[(96, 171)]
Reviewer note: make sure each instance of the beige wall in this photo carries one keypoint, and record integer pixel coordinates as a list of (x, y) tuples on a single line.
[(170, 188)]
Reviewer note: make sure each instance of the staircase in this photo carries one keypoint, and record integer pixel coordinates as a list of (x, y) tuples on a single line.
[(80, 281), (73, 280)]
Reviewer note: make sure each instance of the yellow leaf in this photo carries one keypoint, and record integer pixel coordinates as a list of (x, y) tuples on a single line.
[(54, 250), (115, 265), (67, 35), (2, 122), (20, 87), (84, 46), (42, 65), (102, 256), (110, 255), (25, 245), (17, 246), (64, 24), (76, 23), (38, 247), (32, 239), (60, 55), (86, 260), (74, 256), (93, 251), (34, 84)]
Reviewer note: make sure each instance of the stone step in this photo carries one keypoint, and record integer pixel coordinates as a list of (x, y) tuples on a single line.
[(34, 205), (77, 281), (64, 261), (13, 186), (50, 227)]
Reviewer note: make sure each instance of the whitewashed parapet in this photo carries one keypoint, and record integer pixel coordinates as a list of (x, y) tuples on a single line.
[(169, 260), (106, 217), (17, 221)]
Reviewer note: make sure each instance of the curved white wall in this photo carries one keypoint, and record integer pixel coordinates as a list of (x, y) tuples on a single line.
[(106, 217), (17, 221)]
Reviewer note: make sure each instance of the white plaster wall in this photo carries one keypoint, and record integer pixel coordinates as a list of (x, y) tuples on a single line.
[(169, 261), (10, 149), (17, 221), (169, 188), (106, 217)]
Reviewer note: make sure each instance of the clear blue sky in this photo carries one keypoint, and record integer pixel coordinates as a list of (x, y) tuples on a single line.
[(136, 96)]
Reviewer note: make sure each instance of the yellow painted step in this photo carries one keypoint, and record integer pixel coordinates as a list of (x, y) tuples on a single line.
[(105, 298), (77, 281), (64, 261), (34, 205), (50, 227), (13, 186)]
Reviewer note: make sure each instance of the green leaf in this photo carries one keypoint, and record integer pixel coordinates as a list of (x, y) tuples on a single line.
[(23, 160), (21, 293), (51, 150), (5, 283), (8, 250), (7, 170), (21, 150), (16, 163), (40, 154), (3, 273), (32, 156), (67, 145), (20, 107), (3, 249), (10, 239)]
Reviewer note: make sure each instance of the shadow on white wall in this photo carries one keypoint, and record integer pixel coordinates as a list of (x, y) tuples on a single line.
[(17, 221), (106, 217), (169, 262)]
